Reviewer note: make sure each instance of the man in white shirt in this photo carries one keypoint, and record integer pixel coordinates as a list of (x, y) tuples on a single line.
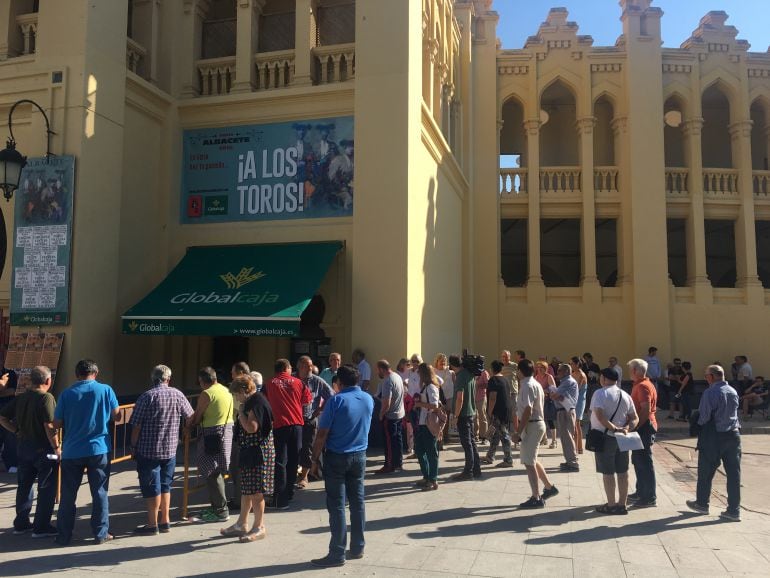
[(612, 411), (529, 410), (359, 358), (745, 372)]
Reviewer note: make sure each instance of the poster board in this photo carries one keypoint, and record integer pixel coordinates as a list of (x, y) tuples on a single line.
[(27, 349)]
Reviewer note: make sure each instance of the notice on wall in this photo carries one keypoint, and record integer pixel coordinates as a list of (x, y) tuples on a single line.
[(279, 171), (42, 242), (27, 349)]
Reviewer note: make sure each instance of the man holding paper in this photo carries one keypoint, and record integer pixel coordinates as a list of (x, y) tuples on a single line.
[(613, 412)]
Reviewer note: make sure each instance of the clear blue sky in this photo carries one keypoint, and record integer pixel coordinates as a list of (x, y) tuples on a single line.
[(601, 19)]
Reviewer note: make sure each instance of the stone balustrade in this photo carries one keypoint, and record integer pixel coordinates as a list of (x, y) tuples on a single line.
[(605, 180), (28, 25), (217, 75), (334, 63), (136, 56), (555, 180), (274, 69), (720, 183), (761, 184), (677, 182), (513, 182)]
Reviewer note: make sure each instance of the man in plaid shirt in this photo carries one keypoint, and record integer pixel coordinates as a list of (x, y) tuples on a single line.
[(155, 425)]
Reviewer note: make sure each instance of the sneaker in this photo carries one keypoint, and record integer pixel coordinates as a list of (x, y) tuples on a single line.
[(567, 467), (13, 470), (461, 477), (730, 516), (646, 503), (422, 483), (532, 504), (210, 515), (327, 562), (549, 492), (350, 555), (504, 464), (164, 528), (48, 532), (696, 507), (633, 497), (487, 460), (146, 530), (384, 470), (20, 531)]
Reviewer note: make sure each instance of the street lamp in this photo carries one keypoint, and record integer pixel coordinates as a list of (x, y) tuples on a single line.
[(11, 160)]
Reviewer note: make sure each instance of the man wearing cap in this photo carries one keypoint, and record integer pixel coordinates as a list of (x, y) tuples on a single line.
[(613, 412)]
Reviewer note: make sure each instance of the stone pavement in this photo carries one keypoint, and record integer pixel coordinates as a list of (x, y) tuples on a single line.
[(465, 528)]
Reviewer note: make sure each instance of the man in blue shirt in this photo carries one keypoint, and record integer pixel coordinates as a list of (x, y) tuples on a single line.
[(84, 410), (719, 441), (344, 431), (565, 397)]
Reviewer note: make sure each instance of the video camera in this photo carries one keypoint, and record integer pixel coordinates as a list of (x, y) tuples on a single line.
[(473, 363)]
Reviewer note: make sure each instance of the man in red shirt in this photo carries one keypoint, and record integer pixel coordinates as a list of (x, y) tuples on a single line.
[(286, 395), (645, 401)]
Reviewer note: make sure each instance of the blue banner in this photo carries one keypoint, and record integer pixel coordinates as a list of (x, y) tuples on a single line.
[(280, 171)]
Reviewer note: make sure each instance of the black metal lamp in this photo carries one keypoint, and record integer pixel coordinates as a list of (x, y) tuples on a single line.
[(11, 160)]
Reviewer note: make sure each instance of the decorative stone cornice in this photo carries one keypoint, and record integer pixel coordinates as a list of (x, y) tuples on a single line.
[(619, 125), (692, 127), (607, 67), (585, 125), (532, 126), (740, 129), (677, 68), (512, 70), (759, 72)]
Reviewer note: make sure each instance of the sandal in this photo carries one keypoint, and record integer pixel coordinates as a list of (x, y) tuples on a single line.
[(618, 510), (302, 484), (234, 530), (254, 535), (604, 509)]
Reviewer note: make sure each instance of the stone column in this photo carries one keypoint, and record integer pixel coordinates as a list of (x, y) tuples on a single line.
[(535, 286), (622, 160), (146, 13), (248, 12), (304, 41), (697, 275), (589, 280), (193, 15), (745, 227)]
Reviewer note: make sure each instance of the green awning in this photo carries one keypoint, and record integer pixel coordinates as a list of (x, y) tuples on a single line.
[(246, 290)]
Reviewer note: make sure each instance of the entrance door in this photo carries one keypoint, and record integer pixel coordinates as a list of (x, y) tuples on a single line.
[(225, 352)]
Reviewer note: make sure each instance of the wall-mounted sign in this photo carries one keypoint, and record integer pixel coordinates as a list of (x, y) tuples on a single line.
[(42, 242), (290, 170), (27, 349)]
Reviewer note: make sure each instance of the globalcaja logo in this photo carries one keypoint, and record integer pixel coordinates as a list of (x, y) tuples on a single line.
[(215, 205), (153, 327), (133, 325), (244, 277)]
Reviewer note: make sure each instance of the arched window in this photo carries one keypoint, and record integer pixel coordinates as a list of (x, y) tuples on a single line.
[(513, 147), (673, 135), (759, 135), (716, 142), (604, 136), (558, 135)]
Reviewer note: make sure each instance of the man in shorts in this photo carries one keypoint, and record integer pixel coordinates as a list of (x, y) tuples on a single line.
[(529, 409), (613, 412)]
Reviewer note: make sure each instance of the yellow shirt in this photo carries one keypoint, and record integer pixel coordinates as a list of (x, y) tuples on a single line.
[(220, 408)]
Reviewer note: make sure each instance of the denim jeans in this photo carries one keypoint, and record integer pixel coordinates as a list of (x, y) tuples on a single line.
[(344, 478), (643, 465), (728, 453), (465, 431), (98, 482), (288, 442), (426, 448), (394, 450), (33, 464)]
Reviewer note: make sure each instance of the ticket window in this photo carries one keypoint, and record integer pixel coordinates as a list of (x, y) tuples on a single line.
[(225, 352)]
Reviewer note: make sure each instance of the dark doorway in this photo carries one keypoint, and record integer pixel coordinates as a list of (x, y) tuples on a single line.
[(227, 351)]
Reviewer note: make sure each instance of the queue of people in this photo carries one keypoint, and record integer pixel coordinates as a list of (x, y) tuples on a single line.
[(277, 437)]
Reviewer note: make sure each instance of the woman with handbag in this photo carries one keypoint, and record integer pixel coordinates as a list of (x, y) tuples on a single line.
[(548, 384), (257, 458), (425, 442)]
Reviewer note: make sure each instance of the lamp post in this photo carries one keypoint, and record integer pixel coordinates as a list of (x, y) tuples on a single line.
[(11, 160)]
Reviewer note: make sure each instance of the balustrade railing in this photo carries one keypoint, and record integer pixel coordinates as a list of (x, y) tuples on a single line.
[(217, 75), (560, 180), (761, 181), (605, 180), (513, 182), (28, 25), (720, 183), (677, 182), (135, 56), (334, 63), (274, 69)]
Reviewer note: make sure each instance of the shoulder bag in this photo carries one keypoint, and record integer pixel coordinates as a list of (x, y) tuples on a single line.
[(595, 438)]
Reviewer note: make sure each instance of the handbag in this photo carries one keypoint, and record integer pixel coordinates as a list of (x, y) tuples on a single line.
[(212, 444), (595, 438), (251, 457)]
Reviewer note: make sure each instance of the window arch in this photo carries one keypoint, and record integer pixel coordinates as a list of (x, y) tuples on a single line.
[(558, 135)]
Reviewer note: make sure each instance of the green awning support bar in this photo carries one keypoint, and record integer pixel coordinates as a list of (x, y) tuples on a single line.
[(245, 290)]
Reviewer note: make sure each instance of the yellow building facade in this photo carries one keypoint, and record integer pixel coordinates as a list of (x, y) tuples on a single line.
[(476, 172)]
